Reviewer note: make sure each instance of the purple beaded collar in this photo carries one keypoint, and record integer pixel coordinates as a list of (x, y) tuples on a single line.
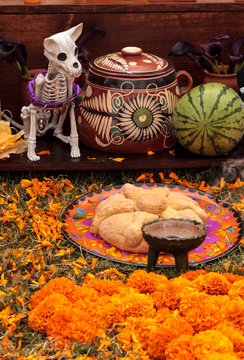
[(31, 93)]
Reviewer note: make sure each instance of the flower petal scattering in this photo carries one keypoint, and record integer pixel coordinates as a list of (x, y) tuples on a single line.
[(54, 307), (142, 320), (10, 143)]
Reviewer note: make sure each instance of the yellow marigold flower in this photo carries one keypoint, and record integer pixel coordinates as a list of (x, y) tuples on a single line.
[(39, 317), (180, 348), (237, 289), (209, 341), (212, 283)]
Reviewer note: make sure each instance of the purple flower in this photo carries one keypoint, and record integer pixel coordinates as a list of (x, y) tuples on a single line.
[(14, 52), (210, 55), (83, 53)]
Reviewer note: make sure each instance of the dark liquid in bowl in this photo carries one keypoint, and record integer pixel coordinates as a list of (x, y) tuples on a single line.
[(174, 229)]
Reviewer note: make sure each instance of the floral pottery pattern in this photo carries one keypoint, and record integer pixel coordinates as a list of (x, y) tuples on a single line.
[(129, 100)]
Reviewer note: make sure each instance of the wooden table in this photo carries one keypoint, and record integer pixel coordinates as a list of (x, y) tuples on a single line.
[(59, 159)]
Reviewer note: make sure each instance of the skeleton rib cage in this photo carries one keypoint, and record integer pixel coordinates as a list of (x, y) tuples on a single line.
[(54, 90)]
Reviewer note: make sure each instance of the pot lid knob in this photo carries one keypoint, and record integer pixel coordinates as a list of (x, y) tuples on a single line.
[(131, 51)]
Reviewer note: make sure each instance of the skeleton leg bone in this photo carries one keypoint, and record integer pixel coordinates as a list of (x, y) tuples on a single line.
[(58, 132), (74, 139), (25, 116), (31, 154)]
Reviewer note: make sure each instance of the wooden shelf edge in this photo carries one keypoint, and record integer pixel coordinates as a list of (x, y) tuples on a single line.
[(59, 159), (120, 6)]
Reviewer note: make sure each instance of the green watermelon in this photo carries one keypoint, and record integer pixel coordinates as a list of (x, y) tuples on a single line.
[(209, 119)]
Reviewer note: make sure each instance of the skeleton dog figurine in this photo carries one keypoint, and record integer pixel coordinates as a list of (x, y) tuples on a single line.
[(54, 90)]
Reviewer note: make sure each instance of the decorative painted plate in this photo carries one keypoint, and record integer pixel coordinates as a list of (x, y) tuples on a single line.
[(224, 229)]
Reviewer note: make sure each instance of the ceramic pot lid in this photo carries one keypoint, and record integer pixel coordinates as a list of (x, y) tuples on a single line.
[(131, 61)]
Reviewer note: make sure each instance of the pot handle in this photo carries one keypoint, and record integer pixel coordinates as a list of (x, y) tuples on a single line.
[(189, 80)]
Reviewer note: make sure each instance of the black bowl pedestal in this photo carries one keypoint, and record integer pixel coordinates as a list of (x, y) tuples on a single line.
[(173, 236)]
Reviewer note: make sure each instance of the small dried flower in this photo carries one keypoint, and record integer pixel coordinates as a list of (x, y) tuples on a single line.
[(10, 143)]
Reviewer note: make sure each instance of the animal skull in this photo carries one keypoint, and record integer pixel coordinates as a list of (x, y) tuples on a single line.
[(62, 53)]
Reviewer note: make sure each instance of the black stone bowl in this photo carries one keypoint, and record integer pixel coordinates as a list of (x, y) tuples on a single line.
[(173, 236)]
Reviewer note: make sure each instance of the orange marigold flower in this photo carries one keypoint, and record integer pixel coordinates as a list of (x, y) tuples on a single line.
[(137, 305), (184, 283), (145, 282), (136, 328), (40, 315), (232, 333), (104, 286), (233, 311), (212, 283), (232, 277), (81, 293), (169, 295), (240, 355), (200, 310), (160, 336), (70, 322), (193, 274), (220, 300), (162, 314), (60, 285), (237, 289), (57, 327), (180, 348), (217, 356), (209, 341), (108, 312)]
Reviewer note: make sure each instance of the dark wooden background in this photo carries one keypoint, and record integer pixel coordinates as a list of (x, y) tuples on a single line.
[(153, 25)]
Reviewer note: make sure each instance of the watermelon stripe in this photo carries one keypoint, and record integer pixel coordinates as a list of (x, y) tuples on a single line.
[(231, 103), (193, 136), (201, 149), (215, 107), (188, 118), (220, 119), (209, 119), (192, 104), (216, 133), (201, 93), (220, 128)]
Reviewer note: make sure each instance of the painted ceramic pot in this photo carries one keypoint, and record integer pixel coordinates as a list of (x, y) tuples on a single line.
[(130, 98), (227, 79)]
